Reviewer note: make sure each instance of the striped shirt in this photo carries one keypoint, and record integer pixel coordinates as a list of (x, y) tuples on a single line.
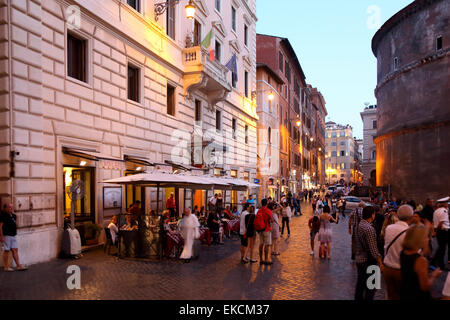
[(366, 243)]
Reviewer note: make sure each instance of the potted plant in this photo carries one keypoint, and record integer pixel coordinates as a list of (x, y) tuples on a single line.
[(92, 232)]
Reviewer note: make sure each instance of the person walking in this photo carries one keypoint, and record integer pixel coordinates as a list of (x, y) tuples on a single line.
[(441, 227), (366, 254), (314, 227), (325, 233), (394, 235), (416, 283), (275, 227), (242, 234), (8, 237), (250, 233), (190, 231), (353, 222), (286, 215), (265, 234)]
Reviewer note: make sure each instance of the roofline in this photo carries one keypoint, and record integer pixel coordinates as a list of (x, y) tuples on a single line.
[(293, 54), (396, 19)]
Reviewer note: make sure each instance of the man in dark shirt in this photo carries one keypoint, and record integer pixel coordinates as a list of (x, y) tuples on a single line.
[(367, 254), (8, 233)]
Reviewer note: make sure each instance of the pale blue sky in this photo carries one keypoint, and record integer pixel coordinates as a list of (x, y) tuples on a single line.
[(332, 40)]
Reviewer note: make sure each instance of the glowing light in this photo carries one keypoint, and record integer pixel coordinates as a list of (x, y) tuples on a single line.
[(68, 176), (138, 168), (190, 10), (83, 163), (271, 96)]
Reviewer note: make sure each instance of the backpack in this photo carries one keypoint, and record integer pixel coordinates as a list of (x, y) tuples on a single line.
[(259, 223)]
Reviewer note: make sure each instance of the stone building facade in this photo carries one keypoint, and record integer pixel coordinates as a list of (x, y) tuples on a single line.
[(369, 159), (413, 94), (93, 90), (340, 153), (318, 143)]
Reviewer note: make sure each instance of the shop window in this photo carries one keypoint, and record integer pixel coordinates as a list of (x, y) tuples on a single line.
[(84, 206), (76, 57)]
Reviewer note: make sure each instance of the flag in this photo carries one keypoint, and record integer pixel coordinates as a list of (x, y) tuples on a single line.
[(232, 66), (207, 44)]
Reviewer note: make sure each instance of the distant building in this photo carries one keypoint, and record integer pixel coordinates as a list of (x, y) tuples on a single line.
[(369, 159), (340, 153)]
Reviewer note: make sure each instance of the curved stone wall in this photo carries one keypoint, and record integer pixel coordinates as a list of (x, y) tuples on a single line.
[(413, 144)]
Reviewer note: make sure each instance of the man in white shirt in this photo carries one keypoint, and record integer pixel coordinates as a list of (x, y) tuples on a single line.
[(441, 227), (393, 239), (244, 240)]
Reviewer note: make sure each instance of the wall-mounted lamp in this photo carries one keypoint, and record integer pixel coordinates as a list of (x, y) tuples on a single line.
[(83, 163), (161, 7), (271, 96)]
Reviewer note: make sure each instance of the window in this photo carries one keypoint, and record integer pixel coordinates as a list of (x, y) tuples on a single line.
[(281, 61), (170, 23), (133, 83), (395, 63), (197, 33), (333, 153), (342, 153), (233, 18), (76, 58), (342, 143), (246, 134), (342, 134), (170, 100), (439, 43), (374, 155), (269, 135), (218, 120), (245, 35), (134, 4), (246, 91), (234, 77), (374, 124), (198, 111), (218, 52), (288, 71), (234, 128), (218, 4)]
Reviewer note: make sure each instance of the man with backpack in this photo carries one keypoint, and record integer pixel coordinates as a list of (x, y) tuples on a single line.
[(262, 223)]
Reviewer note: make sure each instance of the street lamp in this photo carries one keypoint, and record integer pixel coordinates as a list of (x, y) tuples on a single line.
[(271, 96), (298, 123), (160, 8)]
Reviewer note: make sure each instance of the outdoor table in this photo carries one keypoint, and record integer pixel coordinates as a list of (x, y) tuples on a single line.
[(173, 240), (230, 226)]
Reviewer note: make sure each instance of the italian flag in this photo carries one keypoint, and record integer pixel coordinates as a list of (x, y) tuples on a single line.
[(207, 44)]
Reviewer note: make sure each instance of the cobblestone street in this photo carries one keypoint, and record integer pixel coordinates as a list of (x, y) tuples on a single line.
[(217, 275)]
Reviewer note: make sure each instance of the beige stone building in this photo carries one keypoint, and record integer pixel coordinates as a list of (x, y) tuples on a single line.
[(340, 153), (93, 90), (369, 159)]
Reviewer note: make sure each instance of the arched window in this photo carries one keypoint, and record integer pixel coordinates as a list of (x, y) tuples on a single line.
[(374, 154)]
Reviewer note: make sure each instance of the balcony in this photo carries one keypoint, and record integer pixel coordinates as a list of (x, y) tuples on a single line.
[(206, 76)]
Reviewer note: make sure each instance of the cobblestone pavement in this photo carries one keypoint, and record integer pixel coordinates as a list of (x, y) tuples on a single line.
[(217, 275)]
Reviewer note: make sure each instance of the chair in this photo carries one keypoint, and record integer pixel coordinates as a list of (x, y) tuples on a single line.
[(108, 242)]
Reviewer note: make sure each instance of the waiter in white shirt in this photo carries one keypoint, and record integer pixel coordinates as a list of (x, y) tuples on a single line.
[(393, 239), (441, 227)]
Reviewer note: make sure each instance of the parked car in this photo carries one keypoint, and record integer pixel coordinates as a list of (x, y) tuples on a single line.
[(331, 190), (353, 202)]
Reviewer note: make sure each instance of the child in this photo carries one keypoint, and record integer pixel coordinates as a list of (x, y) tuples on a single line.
[(314, 227)]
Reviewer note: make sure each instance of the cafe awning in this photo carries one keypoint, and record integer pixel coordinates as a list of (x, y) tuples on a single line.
[(89, 154), (137, 160)]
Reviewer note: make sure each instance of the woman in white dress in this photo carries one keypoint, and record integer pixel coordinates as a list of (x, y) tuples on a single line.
[(190, 231)]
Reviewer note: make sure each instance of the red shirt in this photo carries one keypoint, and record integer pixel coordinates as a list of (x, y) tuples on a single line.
[(170, 203), (267, 216)]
